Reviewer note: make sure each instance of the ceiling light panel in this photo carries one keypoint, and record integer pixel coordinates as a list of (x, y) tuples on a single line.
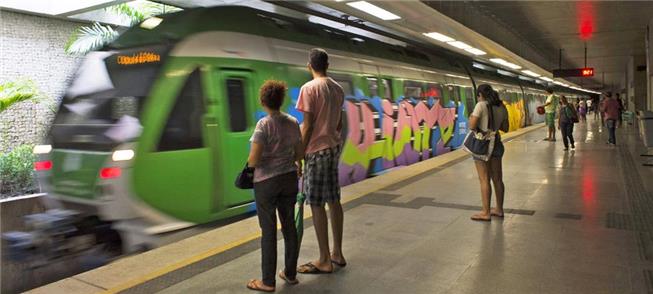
[(460, 45), (475, 51), (439, 37), (374, 10), (530, 73)]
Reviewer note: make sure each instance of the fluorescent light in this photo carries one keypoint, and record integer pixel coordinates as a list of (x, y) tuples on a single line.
[(151, 22), (475, 51), (457, 76), (42, 149), (439, 37), (505, 73), (505, 63), (530, 73), (498, 60), (546, 79), (460, 45), (122, 155), (374, 10), (512, 65)]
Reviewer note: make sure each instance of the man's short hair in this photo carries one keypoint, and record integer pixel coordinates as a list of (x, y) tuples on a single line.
[(318, 59), (549, 90)]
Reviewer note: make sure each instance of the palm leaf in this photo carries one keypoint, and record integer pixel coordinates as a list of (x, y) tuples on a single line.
[(87, 39), (13, 92)]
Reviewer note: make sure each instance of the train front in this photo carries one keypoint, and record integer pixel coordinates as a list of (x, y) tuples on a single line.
[(85, 166)]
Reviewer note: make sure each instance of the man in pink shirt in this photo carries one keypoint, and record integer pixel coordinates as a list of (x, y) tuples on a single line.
[(321, 101), (612, 109)]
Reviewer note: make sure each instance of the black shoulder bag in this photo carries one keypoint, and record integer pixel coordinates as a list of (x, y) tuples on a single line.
[(245, 179)]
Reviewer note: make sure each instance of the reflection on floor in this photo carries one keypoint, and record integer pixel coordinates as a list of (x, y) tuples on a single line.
[(579, 223)]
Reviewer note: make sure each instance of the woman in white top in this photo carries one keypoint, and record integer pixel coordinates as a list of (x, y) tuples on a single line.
[(488, 100)]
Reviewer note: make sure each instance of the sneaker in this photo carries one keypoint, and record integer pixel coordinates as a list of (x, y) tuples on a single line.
[(566, 149), (553, 140), (573, 146)]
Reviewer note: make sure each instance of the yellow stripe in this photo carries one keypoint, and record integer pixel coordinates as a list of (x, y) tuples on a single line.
[(175, 266), (217, 250)]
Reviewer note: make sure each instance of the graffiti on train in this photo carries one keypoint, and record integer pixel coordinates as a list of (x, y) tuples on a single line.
[(382, 134)]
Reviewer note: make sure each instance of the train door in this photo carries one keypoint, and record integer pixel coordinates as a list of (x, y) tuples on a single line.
[(236, 95), (173, 170)]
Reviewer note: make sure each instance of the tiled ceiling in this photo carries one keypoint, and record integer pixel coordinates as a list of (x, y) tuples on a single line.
[(537, 30)]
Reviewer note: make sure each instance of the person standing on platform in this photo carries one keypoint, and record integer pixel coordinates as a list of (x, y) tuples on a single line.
[(589, 106), (566, 123), (582, 110), (491, 170), (276, 152), (550, 112), (611, 108), (621, 109), (321, 101)]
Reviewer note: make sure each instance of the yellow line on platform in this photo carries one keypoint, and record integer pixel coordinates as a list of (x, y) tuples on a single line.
[(175, 266), (355, 195)]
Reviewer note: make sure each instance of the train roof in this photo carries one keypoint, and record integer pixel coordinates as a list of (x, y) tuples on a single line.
[(179, 25)]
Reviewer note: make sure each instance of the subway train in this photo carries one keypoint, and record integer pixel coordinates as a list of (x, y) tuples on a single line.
[(154, 127)]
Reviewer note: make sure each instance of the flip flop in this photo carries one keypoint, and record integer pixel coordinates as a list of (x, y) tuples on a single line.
[(496, 214), (476, 218), (312, 269), (343, 264), (252, 285), (283, 276)]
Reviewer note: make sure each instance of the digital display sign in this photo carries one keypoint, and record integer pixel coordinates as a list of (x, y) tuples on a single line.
[(574, 72), (139, 58)]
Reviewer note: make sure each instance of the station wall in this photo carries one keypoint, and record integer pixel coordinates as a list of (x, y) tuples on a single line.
[(32, 47)]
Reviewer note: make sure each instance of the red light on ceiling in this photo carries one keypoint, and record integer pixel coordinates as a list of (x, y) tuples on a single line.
[(585, 13), (587, 72)]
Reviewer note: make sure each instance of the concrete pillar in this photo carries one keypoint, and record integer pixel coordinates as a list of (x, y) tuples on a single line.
[(635, 96), (649, 65)]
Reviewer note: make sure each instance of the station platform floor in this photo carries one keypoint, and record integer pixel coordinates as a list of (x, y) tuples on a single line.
[(579, 221)]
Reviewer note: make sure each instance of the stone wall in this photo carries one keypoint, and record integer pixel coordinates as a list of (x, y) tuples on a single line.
[(31, 47)]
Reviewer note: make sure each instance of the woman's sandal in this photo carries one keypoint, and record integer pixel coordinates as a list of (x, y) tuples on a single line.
[(254, 285), (282, 275), (310, 268)]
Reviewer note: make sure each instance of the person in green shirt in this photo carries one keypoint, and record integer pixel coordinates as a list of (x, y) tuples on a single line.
[(550, 111)]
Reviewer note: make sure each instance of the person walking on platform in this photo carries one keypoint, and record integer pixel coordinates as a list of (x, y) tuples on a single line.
[(491, 170), (566, 123), (612, 109), (321, 101), (550, 112), (276, 153), (590, 106)]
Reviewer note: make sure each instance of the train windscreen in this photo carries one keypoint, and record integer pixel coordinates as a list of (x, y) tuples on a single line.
[(103, 104)]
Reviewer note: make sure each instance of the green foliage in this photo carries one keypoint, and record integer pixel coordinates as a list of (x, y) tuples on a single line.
[(14, 92), (17, 172), (87, 39)]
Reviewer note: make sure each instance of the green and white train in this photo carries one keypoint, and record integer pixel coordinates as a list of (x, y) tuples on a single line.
[(154, 127)]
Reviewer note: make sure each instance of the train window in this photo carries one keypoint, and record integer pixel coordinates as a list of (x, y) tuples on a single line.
[(373, 86), (237, 111), (412, 89), (183, 129), (435, 91), (344, 82), (469, 99), (387, 88)]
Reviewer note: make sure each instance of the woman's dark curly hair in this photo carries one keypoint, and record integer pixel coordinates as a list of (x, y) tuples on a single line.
[(272, 94)]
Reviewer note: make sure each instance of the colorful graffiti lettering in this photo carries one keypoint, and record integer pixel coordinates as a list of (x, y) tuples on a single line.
[(382, 134)]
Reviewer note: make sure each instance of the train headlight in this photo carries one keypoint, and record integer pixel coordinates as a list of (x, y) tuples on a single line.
[(42, 149), (122, 155)]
